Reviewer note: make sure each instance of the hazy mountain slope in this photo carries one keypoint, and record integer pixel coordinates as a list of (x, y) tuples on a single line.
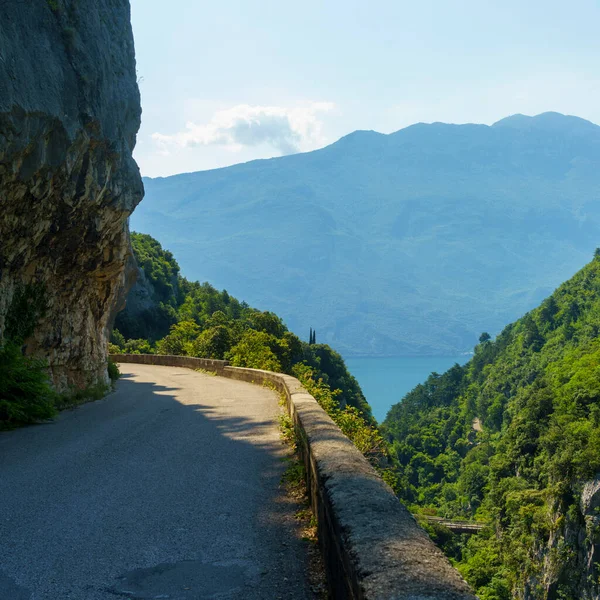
[(412, 242)]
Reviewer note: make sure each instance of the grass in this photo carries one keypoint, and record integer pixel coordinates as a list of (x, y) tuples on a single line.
[(75, 397), (293, 481), (271, 386), (206, 372)]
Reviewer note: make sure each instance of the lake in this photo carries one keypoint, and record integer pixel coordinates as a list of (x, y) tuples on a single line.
[(385, 381)]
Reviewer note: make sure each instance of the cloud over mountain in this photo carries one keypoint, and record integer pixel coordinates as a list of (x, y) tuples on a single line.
[(288, 130)]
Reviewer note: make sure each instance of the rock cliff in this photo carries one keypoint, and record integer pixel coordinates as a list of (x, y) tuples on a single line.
[(69, 115)]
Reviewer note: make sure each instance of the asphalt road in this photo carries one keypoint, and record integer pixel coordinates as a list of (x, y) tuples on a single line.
[(168, 488)]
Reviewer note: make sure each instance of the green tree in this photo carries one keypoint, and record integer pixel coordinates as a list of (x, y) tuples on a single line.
[(255, 350), (213, 342), (180, 340)]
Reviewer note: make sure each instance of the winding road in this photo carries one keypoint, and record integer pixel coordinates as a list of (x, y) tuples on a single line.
[(168, 488)]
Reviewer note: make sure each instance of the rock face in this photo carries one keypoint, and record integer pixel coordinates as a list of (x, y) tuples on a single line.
[(569, 559), (69, 115)]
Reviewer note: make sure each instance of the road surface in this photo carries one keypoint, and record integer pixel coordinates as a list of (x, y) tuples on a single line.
[(168, 488)]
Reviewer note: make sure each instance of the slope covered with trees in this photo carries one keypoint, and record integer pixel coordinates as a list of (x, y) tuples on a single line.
[(513, 439)]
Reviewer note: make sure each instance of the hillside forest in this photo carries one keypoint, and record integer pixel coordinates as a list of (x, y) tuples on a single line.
[(512, 439)]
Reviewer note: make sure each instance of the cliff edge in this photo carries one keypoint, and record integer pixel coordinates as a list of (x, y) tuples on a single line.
[(69, 115)]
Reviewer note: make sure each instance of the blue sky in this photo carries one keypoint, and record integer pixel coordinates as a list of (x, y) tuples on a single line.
[(230, 81)]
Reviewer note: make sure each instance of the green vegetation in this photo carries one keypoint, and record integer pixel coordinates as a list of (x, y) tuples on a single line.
[(74, 397), (161, 273), (25, 392), (113, 371), (510, 439)]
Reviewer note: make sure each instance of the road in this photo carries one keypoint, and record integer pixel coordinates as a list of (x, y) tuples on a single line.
[(168, 488)]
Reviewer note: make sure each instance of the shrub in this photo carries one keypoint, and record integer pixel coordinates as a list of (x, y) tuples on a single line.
[(113, 371), (25, 392), (137, 347), (353, 424), (75, 396)]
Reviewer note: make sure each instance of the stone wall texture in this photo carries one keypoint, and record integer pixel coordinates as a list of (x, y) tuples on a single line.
[(372, 546), (69, 115)]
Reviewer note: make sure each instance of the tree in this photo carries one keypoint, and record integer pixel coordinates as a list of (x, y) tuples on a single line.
[(267, 322), (180, 339), (256, 351), (212, 343), (484, 337)]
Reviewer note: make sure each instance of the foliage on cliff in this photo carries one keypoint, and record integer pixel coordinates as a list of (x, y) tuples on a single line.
[(209, 323), (25, 392), (160, 280), (511, 438)]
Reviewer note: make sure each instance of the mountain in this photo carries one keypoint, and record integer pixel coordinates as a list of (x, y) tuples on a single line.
[(513, 439), (400, 244)]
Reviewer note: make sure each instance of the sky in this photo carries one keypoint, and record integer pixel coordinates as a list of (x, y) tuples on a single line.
[(235, 80)]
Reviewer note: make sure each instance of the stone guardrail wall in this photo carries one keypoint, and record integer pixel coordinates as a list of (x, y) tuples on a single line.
[(372, 546)]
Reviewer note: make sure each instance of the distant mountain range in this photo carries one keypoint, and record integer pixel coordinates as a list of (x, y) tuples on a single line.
[(402, 244)]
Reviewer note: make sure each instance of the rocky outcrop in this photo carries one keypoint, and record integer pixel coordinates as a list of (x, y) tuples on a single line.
[(590, 548), (69, 115), (569, 558)]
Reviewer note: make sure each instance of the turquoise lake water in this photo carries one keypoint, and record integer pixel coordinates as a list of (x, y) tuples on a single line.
[(386, 381)]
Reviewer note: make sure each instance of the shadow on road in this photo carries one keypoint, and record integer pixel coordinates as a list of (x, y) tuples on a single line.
[(160, 490)]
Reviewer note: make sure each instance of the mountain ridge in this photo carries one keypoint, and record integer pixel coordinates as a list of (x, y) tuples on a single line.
[(391, 244), (504, 122)]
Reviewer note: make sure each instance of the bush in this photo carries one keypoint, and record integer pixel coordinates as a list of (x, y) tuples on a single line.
[(180, 340), (113, 371), (354, 425), (137, 347), (25, 392)]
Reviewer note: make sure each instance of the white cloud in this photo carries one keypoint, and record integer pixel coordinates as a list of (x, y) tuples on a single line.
[(288, 130)]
